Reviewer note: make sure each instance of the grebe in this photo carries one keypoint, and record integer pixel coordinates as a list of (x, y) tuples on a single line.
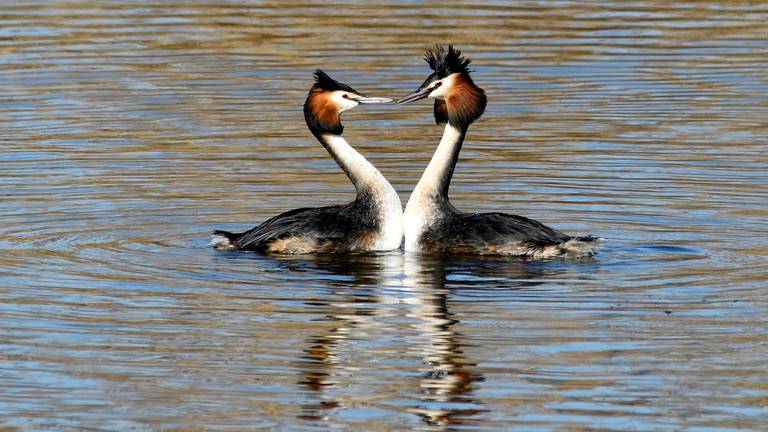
[(432, 224), (372, 222)]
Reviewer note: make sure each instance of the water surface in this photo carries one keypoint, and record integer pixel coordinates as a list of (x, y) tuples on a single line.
[(132, 129)]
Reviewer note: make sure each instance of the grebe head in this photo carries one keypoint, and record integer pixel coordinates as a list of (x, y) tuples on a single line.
[(458, 100), (326, 101)]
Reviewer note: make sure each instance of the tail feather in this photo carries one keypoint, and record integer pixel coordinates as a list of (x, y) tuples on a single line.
[(223, 240), (580, 247)]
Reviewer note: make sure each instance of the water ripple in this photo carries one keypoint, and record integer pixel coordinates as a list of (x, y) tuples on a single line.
[(133, 130)]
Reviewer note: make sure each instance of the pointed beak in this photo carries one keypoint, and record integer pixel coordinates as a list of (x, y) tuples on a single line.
[(369, 100), (417, 95)]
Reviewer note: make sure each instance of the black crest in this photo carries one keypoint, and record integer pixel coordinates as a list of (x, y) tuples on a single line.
[(445, 61), (325, 82), (470, 102)]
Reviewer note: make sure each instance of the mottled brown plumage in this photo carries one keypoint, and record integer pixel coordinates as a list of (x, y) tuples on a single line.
[(321, 112), (441, 112), (465, 101)]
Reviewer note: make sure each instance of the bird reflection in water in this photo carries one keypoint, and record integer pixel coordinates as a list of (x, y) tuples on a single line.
[(400, 299), (448, 376), (358, 314)]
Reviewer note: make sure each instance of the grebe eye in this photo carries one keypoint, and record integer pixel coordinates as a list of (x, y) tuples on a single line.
[(345, 96), (437, 84)]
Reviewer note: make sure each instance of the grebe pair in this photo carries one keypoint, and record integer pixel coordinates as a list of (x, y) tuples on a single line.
[(374, 221)]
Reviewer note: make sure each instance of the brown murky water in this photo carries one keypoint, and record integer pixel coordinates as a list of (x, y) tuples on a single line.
[(132, 129)]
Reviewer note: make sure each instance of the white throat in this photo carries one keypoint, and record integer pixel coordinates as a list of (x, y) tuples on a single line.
[(368, 180), (421, 210)]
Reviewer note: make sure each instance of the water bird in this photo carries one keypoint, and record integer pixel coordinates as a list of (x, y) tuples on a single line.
[(372, 222), (432, 223)]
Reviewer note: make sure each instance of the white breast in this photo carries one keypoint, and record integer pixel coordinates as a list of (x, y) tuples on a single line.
[(391, 214), (368, 179), (420, 214)]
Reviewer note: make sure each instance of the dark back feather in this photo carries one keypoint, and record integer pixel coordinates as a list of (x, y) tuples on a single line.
[(341, 224)]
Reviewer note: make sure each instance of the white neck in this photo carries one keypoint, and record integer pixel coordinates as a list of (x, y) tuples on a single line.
[(369, 181), (421, 210), (363, 175), (437, 177)]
